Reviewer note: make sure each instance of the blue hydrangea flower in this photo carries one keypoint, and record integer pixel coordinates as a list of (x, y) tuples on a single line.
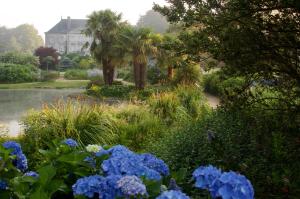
[(119, 150), (110, 189), (231, 185), (105, 188), (130, 164), (87, 186), (156, 164), (70, 142), (32, 174), (122, 161), (13, 145), (205, 176), (132, 186), (173, 195), (3, 185), (21, 161)]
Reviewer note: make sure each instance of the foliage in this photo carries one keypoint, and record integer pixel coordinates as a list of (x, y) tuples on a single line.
[(126, 74), (87, 63), (103, 27), (167, 56), (156, 75), (14, 73), (70, 170), (115, 91), (153, 20), (256, 39), (48, 57), (76, 60), (165, 105), (184, 102), (253, 142), (19, 58), (81, 122), (22, 39), (75, 74), (217, 83), (187, 73), (138, 127), (138, 43), (66, 62), (49, 75)]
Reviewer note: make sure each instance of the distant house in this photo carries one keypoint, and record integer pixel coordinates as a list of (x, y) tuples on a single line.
[(67, 37)]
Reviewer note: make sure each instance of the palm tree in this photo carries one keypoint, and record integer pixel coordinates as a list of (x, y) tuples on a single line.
[(167, 56), (103, 27), (138, 43)]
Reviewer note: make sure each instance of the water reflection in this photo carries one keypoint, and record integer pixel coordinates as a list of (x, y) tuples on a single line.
[(15, 103)]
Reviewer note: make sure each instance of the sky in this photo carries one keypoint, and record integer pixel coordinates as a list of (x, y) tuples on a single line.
[(44, 14)]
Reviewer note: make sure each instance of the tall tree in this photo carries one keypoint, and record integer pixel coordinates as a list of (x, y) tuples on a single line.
[(138, 43), (44, 54), (168, 56), (23, 38), (103, 27), (153, 20), (257, 39)]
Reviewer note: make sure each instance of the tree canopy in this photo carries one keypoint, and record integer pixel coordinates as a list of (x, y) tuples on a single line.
[(257, 39), (23, 38), (48, 57), (153, 20), (103, 26)]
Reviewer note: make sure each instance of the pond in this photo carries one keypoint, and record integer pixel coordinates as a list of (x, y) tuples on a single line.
[(14, 104)]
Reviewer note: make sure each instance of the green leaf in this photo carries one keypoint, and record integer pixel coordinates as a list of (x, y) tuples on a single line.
[(72, 158), (46, 174), (153, 187), (40, 194), (180, 175)]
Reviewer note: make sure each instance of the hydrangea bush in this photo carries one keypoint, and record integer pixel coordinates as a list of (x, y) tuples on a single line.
[(72, 171)]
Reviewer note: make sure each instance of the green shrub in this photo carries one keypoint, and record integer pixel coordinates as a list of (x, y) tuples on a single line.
[(13, 73), (114, 91), (212, 83), (156, 75), (219, 84), (256, 143), (184, 101), (75, 74), (126, 74), (192, 99), (95, 82), (138, 127), (165, 105), (49, 75), (187, 74), (19, 59), (87, 124)]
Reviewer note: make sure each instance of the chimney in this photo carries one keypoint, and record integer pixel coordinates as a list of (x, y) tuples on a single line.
[(69, 23)]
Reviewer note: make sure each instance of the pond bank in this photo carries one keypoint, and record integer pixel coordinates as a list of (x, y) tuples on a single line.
[(15, 103), (58, 84)]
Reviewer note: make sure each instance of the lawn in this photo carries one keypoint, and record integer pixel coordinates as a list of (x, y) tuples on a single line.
[(58, 84)]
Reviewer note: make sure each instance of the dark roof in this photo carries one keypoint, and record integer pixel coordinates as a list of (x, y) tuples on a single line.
[(62, 26)]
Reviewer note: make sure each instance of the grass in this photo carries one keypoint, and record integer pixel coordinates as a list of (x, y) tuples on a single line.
[(58, 84)]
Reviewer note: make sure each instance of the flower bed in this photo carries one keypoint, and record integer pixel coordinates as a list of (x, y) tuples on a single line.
[(73, 171)]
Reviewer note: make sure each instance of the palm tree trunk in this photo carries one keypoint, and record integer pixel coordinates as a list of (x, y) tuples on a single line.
[(136, 72), (170, 72), (108, 72), (142, 75), (111, 74), (105, 71)]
